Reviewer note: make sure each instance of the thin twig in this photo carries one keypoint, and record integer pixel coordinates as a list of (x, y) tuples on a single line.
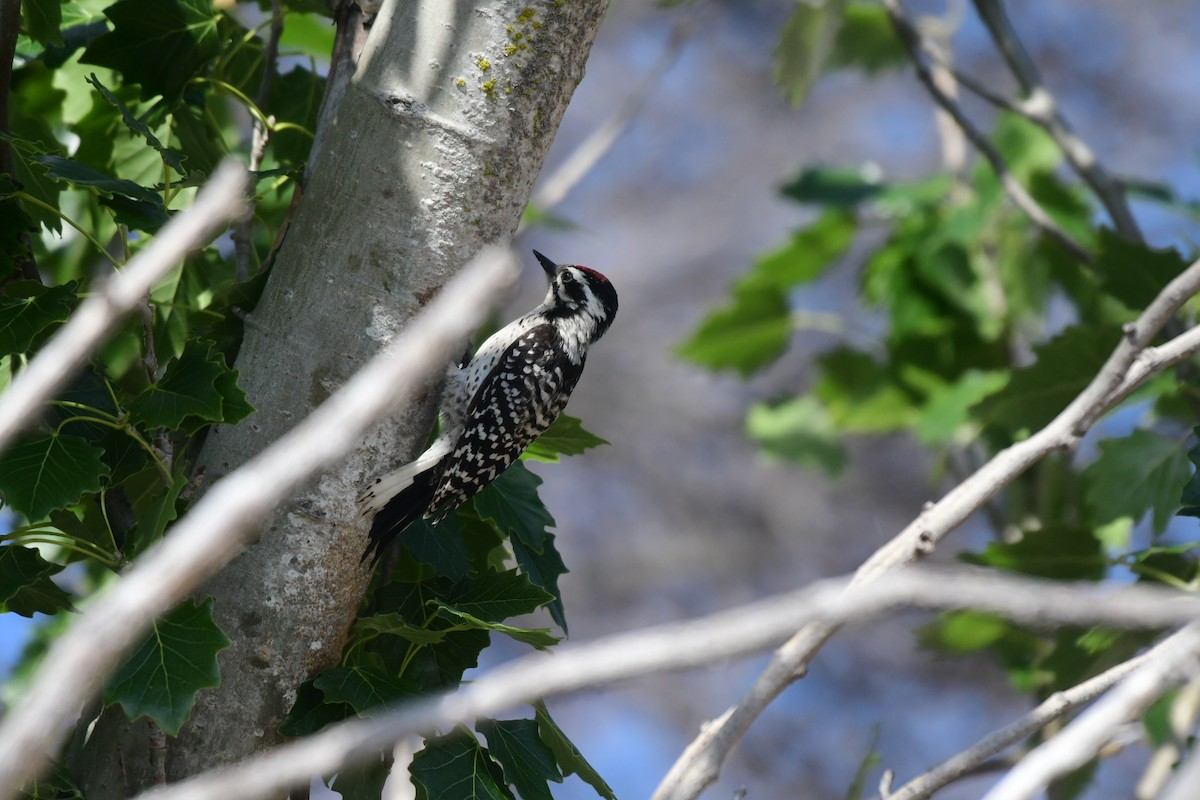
[(1079, 742), (1187, 778), (555, 187), (1054, 707), (1016, 192), (260, 134), (1185, 711), (1040, 106), (684, 645), (98, 315), (228, 516), (1130, 365)]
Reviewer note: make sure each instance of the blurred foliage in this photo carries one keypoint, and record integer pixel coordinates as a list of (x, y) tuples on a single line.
[(119, 112), (986, 331)]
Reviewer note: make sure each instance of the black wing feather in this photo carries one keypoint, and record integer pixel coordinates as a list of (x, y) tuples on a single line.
[(518, 400)]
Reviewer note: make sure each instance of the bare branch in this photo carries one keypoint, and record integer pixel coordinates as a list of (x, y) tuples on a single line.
[(1079, 742), (1016, 192), (1040, 106), (228, 516), (1054, 707), (559, 183), (1187, 778), (737, 632), (1185, 711), (99, 314), (1127, 368)]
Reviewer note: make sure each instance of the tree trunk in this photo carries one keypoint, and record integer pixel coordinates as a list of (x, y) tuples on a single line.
[(431, 151)]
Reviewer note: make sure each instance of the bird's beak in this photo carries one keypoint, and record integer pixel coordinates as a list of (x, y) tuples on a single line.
[(549, 266)]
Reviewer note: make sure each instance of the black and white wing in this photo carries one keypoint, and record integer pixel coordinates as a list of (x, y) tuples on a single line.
[(518, 400)]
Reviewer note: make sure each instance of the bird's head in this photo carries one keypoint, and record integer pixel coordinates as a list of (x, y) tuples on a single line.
[(577, 291)]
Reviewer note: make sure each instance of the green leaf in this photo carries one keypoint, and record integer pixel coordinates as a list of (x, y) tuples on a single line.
[(177, 659), (170, 157), (156, 509), (543, 569), (806, 256), (946, 415), (441, 666), (47, 472), (25, 584), (866, 40), (752, 331), (441, 548), (312, 34), (1134, 273), (804, 45), (394, 624), (1065, 365), (512, 503), (538, 638), (870, 760), (28, 310), (160, 44), (527, 761), (310, 712), (860, 396), (964, 632), (565, 436), (566, 754), (364, 781), (363, 688), (42, 21), (199, 137), (137, 214), (835, 188), (1190, 498), (496, 596), (296, 99), (456, 767), (744, 335), (234, 405), (1060, 552), (192, 392), (1137, 473), (78, 174), (1026, 148), (797, 430)]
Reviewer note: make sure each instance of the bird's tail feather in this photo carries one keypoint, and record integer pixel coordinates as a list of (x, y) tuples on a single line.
[(397, 513)]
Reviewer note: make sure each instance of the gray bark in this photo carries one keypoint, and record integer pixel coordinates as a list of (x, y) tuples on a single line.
[(431, 151)]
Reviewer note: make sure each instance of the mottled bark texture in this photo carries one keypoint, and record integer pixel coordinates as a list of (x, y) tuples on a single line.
[(430, 152)]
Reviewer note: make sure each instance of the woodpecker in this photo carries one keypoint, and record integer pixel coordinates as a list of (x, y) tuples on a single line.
[(496, 403)]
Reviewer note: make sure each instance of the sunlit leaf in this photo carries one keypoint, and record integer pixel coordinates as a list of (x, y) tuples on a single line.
[(798, 430), (47, 472), (804, 46), (564, 437), (1134, 474), (160, 44)]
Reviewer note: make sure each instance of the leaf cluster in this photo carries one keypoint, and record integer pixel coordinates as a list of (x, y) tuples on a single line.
[(118, 112), (431, 614), (979, 331)]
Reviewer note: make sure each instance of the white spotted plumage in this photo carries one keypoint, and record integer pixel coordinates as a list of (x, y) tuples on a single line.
[(496, 404)]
